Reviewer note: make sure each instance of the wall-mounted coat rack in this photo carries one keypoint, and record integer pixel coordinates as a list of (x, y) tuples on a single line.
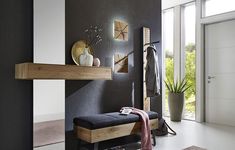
[(151, 43), (146, 42)]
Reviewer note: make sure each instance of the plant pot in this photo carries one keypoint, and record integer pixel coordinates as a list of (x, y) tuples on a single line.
[(176, 104)]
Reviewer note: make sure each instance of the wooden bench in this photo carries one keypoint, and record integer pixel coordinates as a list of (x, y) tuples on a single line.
[(96, 128)]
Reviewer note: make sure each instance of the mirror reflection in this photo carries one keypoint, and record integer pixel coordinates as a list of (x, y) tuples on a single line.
[(49, 95)]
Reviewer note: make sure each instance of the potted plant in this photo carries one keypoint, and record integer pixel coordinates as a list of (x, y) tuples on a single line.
[(176, 98)]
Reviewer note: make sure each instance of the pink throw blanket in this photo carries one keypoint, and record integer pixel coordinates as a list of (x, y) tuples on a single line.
[(145, 128)]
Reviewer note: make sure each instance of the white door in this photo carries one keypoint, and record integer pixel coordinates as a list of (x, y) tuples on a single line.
[(220, 72)]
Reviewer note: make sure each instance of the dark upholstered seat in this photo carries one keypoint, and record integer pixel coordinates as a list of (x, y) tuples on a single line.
[(108, 119)]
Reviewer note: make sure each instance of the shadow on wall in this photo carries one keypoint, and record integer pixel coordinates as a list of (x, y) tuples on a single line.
[(99, 99), (92, 97)]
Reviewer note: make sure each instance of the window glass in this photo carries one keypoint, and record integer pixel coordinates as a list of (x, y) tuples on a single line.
[(189, 22), (168, 33), (214, 7)]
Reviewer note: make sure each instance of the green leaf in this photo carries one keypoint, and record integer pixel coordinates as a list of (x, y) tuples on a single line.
[(181, 84), (171, 86), (186, 89), (167, 85), (178, 86)]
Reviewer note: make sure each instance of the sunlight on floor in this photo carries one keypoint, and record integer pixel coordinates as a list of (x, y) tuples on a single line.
[(209, 136)]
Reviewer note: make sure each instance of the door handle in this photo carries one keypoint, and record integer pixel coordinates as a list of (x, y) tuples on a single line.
[(211, 77)]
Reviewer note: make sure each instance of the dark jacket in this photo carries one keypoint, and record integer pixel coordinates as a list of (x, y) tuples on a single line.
[(152, 77)]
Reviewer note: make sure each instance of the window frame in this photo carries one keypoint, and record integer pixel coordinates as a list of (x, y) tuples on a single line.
[(201, 21), (178, 46), (203, 9), (163, 60)]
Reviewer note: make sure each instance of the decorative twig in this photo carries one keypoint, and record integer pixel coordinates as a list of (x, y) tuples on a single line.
[(93, 34)]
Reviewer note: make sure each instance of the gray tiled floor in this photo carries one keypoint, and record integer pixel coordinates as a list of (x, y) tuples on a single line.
[(209, 136)]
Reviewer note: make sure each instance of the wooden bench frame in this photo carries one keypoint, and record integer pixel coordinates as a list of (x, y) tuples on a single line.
[(107, 133)]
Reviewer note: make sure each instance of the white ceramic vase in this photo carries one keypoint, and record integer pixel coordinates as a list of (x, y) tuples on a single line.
[(86, 59)]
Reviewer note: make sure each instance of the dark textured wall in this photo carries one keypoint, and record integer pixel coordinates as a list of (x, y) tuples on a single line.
[(82, 97), (90, 97), (16, 98)]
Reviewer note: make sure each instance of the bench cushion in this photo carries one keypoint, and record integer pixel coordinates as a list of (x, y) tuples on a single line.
[(108, 119)]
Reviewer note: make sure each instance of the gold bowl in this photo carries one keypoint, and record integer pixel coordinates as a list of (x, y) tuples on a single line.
[(77, 50)]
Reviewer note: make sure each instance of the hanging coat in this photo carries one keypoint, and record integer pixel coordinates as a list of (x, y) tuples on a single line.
[(152, 78)]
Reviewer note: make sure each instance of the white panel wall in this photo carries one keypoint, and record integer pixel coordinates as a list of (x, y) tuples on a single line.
[(49, 47), (172, 3)]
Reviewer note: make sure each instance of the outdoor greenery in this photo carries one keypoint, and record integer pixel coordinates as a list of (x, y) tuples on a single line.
[(190, 76)]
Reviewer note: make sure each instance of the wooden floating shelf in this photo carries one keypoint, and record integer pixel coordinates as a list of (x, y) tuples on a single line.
[(30, 71)]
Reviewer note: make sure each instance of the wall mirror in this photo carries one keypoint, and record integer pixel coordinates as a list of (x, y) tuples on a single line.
[(49, 95)]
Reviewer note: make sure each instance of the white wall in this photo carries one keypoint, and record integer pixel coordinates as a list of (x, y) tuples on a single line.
[(49, 47), (171, 3)]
